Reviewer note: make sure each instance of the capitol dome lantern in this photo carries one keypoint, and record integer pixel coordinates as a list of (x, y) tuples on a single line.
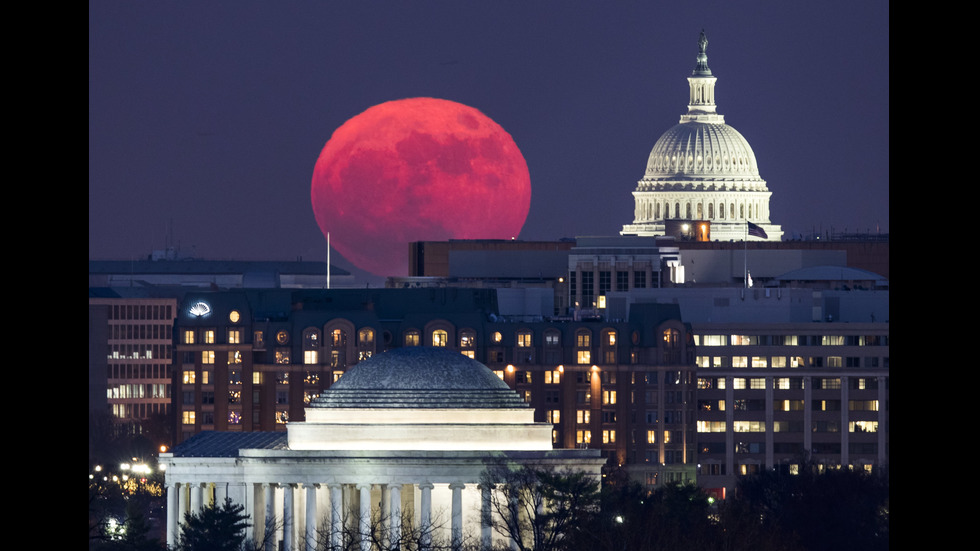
[(703, 170)]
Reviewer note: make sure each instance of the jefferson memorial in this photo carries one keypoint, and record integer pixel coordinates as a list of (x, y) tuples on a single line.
[(403, 437), (703, 170)]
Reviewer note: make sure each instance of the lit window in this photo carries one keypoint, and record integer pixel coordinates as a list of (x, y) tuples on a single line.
[(757, 383), (439, 338), (190, 377), (759, 361), (740, 361), (497, 337), (189, 337), (256, 377), (282, 356), (234, 356), (583, 436), (611, 338), (583, 340), (310, 356), (524, 339), (207, 356), (365, 337), (336, 375), (777, 361), (234, 336), (209, 336), (609, 397), (552, 377), (469, 354), (189, 417), (584, 357), (554, 416), (608, 437), (863, 426), (234, 418), (412, 338), (582, 416), (651, 437)]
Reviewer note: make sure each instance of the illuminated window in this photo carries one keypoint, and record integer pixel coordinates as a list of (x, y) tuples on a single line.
[(757, 383), (188, 417), (609, 437), (553, 416), (337, 375), (749, 426), (863, 405), (862, 426), (440, 338), (740, 361), (651, 437), (256, 377), (497, 337), (583, 436), (310, 356), (234, 417), (469, 354), (608, 396), (190, 377), (739, 383), (234, 316), (745, 340), (711, 426), (467, 339), (582, 416), (209, 336), (583, 339), (234, 336), (258, 339), (759, 361), (584, 357), (205, 376), (189, 336), (777, 361), (710, 340), (365, 337), (552, 377), (524, 339), (412, 338), (234, 356), (282, 356), (207, 356)]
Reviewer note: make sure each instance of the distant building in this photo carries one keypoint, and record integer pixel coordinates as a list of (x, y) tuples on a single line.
[(702, 172)]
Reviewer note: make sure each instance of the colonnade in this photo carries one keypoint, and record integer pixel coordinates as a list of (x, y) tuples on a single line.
[(333, 509)]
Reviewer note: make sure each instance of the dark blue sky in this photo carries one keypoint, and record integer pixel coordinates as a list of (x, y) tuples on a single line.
[(206, 118)]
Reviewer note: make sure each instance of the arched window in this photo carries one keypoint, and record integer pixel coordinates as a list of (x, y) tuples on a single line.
[(524, 339), (671, 346), (731, 210), (666, 211), (677, 210), (700, 211), (338, 338), (365, 337), (440, 337), (711, 211), (583, 346), (741, 211), (689, 210)]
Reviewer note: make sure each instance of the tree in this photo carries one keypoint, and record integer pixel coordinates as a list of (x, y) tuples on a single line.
[(215, 528), (828, 510), (537, 507)]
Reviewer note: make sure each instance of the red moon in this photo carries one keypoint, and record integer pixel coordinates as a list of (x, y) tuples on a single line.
[(417, 169)]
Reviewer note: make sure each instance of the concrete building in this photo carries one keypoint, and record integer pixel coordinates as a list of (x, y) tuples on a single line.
[(704, 173), (402, 440)]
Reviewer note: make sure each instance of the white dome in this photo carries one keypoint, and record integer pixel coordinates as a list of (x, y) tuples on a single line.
[(701, 151)]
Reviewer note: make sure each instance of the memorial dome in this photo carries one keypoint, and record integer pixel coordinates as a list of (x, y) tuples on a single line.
[(419, 377)]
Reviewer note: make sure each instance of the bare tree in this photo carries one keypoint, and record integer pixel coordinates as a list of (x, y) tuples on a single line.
[(410, 536), (537, 507)]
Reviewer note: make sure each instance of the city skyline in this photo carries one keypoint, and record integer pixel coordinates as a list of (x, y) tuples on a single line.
[(206, 120)]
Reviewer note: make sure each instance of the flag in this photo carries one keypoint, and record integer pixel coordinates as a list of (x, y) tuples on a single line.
[(757, 231)]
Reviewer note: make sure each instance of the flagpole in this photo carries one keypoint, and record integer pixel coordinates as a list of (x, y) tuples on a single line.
[(745, 257)]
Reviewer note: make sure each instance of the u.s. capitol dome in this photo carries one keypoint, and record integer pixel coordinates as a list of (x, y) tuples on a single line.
[(703, 170)]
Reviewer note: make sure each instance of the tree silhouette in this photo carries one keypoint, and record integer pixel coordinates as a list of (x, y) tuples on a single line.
[(214, 528)]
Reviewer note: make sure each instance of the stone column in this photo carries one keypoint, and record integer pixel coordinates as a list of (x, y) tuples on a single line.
[(311, 516), (486, 517), (173, 514), (268, 534), (197, 494), (395, 511), (288, 526), (336, 517), (365, 514), (457, 516), (425, 514)]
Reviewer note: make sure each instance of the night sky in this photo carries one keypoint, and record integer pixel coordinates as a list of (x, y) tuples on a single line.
[(206, 118)]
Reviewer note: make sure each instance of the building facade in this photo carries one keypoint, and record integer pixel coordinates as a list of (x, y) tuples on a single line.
[(254, 361)]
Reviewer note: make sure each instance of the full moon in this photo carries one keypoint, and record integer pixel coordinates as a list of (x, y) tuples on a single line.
[(417, 169)]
